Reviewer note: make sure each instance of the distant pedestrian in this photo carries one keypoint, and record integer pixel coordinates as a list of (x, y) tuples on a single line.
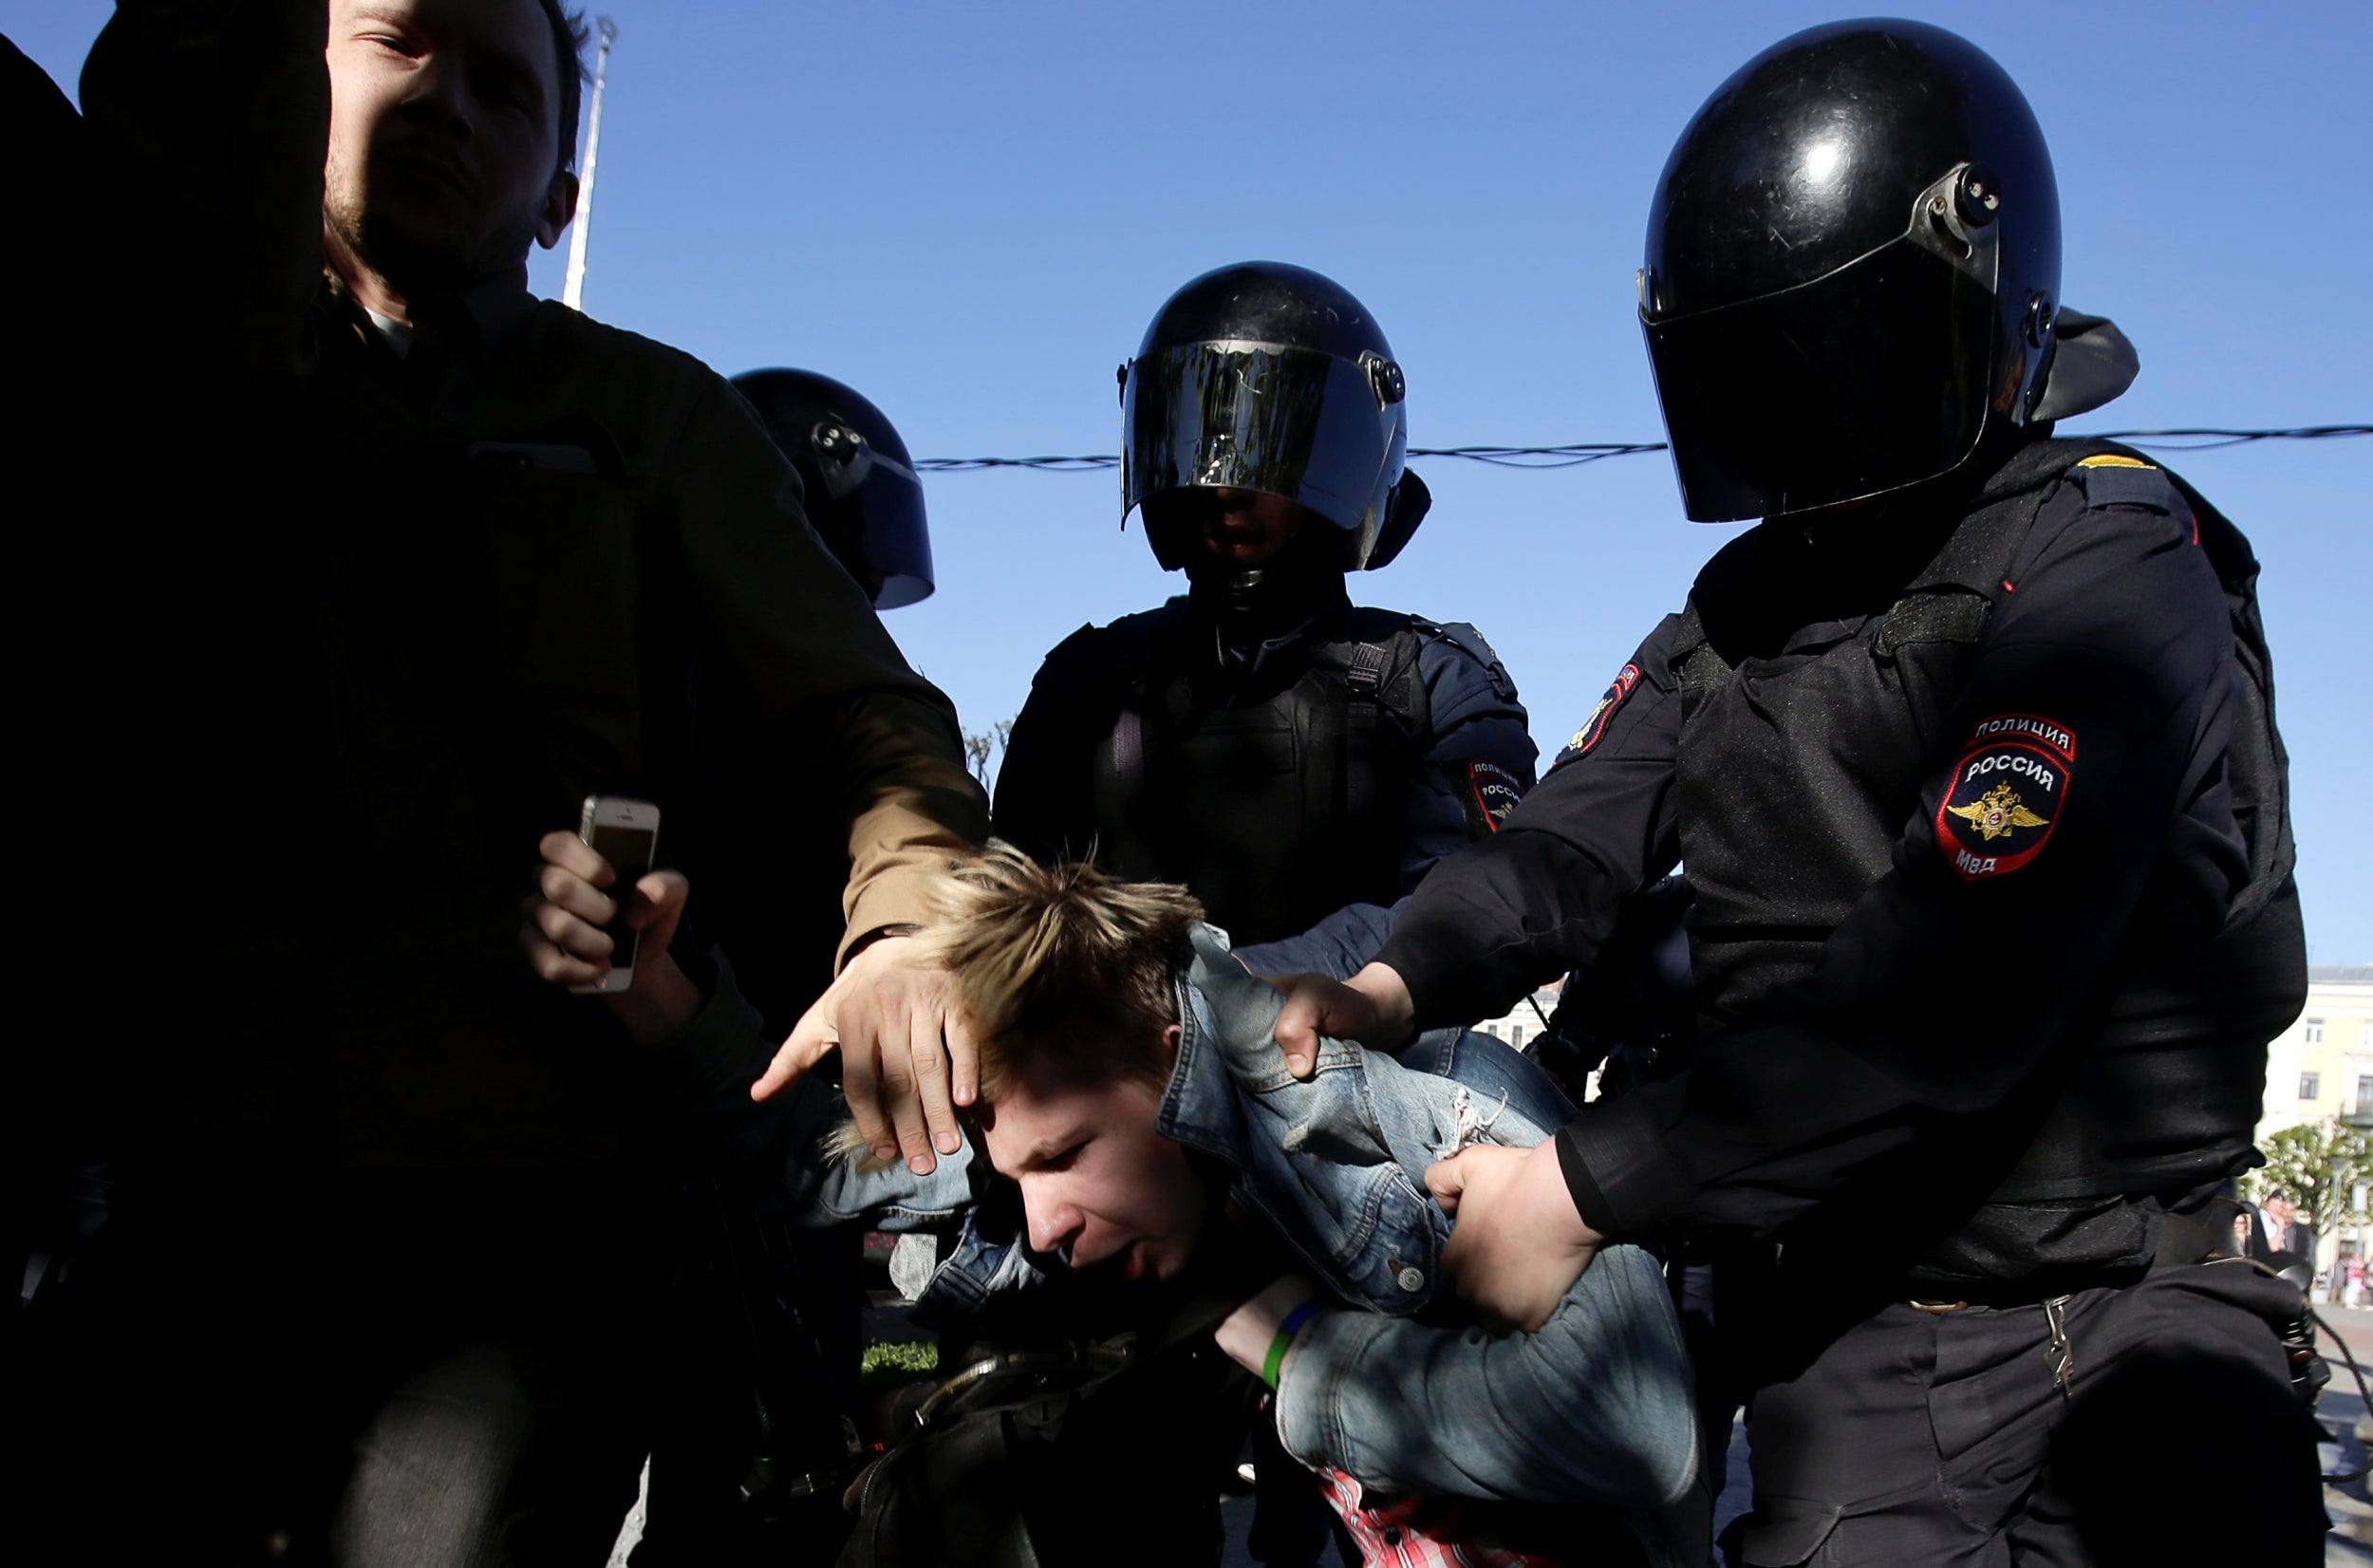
[(2284, 1230)]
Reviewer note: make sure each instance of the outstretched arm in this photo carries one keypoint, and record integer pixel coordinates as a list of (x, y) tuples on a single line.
[(1479, 761), (827, 680), (1595, 1405), (2076, 814), (1533, 899)]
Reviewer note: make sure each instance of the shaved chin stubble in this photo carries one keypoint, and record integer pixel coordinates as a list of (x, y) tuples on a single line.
[(414, 264)]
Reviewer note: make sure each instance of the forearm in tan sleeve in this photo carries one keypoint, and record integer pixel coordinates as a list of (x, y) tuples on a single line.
[(914, 808), (823, 671)]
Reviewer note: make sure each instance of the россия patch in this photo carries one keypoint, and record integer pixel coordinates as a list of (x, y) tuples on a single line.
[(1493, 792), (2007, 794)]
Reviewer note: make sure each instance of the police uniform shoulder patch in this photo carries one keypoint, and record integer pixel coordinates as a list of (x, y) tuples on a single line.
[(2006, 795), (1594, 728), (2112, 479), (1476, 646), (1492, 792)]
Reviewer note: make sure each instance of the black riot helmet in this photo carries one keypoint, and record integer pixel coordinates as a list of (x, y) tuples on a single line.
[(1853, 271), (863, 495), (1271, 378)]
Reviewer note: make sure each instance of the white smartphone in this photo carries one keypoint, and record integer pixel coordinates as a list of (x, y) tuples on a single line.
[(625, 834)]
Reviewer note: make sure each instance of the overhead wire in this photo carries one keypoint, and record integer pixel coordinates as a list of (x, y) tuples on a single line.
[(1577, 453), (2207, 440)]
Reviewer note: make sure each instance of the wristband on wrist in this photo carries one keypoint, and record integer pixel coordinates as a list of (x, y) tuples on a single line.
[(1271, 1363)]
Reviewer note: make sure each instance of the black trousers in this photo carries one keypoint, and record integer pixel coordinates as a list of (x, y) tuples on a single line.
[(763, 1343), (1923, 1437), (445, 1370)]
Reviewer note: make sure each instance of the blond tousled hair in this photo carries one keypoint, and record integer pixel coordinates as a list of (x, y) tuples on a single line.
[(1065, 974), (1060, 969)]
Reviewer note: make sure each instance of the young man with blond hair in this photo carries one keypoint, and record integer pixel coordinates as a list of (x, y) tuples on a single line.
[(1132, 1101)]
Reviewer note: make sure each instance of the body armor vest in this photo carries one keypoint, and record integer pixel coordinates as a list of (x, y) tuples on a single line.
[(1277, 795), (1797, 772)]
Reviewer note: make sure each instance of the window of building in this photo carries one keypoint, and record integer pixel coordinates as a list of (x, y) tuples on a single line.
[(1515, 1033), (1493, 1029), (2365, 1033), (2315, 1030), (2365, 1091), (2310, 1085)]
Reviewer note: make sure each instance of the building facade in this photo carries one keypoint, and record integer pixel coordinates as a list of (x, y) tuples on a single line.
[(1528, 1019), (2319, 1071), (2322, 1066)]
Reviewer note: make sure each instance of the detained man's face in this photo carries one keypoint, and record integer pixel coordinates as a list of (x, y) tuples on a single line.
[(1098, 1184), (444, 139)]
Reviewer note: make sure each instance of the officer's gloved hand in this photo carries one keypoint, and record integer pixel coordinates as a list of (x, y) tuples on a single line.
[(1373, 1007)]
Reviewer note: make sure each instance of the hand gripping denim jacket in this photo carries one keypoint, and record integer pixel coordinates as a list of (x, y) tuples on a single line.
[(1594, 1407)]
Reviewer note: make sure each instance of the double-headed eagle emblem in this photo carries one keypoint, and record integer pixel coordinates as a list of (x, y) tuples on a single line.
[(1582, 737), (1997, 813)]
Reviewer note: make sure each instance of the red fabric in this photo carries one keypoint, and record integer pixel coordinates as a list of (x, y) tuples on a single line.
[(1421, 1532)]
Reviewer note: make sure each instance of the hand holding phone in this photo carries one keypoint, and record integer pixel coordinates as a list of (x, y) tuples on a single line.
[(588, 917), (626, 835), (586, 920)]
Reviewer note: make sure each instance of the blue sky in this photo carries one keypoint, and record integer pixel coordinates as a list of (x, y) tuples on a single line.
[(970, 213)]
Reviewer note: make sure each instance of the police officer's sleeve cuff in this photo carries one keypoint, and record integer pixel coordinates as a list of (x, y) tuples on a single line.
[(1589, 1202), (1616, 1169), (1434, 996)]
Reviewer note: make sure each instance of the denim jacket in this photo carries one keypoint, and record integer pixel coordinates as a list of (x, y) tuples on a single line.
[(1594, 1406)]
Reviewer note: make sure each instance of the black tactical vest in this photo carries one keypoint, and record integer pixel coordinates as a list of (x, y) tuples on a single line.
[(1797, 772), (1279, 797)]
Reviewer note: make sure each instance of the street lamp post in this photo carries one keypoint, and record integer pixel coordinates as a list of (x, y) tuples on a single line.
[(573, 291)]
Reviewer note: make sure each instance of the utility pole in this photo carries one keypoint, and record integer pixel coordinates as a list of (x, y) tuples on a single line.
[(573, 291)]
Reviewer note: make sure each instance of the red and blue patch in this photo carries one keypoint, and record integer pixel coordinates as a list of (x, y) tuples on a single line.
[(1492, 792), (2006, 795), (1594, 728)]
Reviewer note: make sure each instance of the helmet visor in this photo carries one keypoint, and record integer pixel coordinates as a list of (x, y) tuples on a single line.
[(1868, 379), (1252, 416), (874, 503), (892, 535)]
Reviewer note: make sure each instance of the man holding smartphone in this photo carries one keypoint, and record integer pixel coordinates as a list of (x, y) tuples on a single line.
[(495, 531)]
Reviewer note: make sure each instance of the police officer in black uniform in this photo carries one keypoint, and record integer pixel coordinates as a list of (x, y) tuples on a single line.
[(1969, 750), (1297, 760), (863, 495), (750, 1464), (866, 501), (1285, 754)]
